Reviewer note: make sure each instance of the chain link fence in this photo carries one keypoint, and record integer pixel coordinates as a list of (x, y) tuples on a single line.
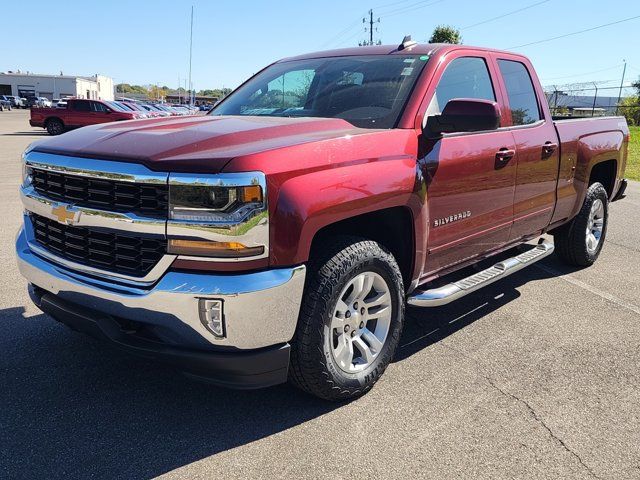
[(592, 100)]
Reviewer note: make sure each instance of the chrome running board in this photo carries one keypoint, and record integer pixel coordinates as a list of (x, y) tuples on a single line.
[(452, 291)]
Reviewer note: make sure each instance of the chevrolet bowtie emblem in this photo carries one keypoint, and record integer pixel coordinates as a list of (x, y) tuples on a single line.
[(65, 215)]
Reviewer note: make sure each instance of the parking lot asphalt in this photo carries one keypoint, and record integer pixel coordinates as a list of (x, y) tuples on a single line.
[(536, 376)]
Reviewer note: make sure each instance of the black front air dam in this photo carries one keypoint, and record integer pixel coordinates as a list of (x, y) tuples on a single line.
[(246, 369)]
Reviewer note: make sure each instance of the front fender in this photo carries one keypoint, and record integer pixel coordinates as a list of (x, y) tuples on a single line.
[(314, 200)]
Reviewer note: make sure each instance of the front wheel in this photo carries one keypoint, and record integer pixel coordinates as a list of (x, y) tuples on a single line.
[(350, 321), (580, 241)]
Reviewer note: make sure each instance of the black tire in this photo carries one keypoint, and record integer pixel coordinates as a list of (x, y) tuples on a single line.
[(55, 126), (571, 239), (313, 366)]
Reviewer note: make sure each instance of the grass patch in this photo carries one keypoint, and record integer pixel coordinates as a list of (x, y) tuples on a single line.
[(633, 160)]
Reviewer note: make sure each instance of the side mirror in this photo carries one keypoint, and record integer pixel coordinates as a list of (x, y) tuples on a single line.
[(464, 115)]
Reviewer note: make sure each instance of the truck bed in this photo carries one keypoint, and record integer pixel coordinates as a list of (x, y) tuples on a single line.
[(583, 142)]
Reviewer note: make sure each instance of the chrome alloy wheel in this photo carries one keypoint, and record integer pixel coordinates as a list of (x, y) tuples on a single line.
[(361, 322), (595, 225)]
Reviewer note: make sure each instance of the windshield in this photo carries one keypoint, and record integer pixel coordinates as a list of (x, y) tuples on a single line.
[(115, 106), (367, 91)]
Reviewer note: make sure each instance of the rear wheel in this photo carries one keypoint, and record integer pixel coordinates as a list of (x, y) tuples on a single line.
[(350, 321), (580, 241), (55, 126)]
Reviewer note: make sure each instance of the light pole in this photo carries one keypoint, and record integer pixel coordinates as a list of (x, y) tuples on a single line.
[(190, 55)]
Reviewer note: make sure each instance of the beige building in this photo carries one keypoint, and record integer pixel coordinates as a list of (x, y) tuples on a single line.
[(21, 84)]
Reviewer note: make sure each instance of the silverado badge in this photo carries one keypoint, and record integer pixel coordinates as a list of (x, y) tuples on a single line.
[(64, 214), (438, 222)]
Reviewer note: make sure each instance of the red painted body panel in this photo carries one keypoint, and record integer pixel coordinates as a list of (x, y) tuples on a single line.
[(582, 146), (322, 171)]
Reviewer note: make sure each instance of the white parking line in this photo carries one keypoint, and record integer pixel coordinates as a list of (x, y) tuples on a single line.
[(579, 283)]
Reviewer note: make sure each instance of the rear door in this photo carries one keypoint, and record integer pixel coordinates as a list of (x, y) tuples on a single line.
[(470, 176), (536, 142)]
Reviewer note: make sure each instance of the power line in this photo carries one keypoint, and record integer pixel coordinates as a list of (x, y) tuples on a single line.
[(410, 8), (341, 33), (505, 15), (381, 7), (581, 74), (575, 33)]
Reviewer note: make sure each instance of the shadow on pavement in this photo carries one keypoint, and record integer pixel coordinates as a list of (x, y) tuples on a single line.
[(426, 326), (72, 407), (25, 134)]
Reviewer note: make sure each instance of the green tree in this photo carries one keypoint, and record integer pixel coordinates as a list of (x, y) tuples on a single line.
[(630, 108), (445, 34), (127, 88)]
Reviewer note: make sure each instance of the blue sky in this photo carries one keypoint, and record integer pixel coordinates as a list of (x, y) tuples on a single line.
[(146, 41)]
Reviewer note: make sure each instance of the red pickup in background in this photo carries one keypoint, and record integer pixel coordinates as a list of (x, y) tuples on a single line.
[(78, 113)]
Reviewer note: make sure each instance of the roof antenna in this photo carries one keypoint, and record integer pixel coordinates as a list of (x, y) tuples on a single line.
[(406, 43)]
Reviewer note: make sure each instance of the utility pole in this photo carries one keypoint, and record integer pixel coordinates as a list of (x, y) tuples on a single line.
[(190, 54), (624, 70), (371, 29)]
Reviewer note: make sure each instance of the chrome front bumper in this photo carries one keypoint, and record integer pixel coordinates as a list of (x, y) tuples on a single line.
[(260, 309)]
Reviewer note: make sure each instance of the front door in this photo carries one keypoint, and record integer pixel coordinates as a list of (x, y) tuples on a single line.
[(470, 177), (100, 113)]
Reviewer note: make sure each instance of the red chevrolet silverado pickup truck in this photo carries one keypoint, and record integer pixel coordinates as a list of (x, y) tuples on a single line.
[(78, 113), (281, 236)]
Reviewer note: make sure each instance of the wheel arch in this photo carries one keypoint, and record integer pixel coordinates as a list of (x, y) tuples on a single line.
[(50, 119), (393, 228), (604, 172)]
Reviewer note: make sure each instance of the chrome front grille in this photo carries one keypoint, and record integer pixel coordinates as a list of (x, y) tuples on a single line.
[(116, 252), (150, 200), (97, 217)]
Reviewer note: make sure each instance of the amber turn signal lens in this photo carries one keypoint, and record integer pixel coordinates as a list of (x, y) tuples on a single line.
[(251, 194), (212, 249)]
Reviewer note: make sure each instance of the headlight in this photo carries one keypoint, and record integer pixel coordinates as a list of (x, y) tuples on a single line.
[(219, 216), (26, 173)]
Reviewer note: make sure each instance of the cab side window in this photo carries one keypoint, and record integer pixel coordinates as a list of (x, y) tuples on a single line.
[(80, 106), (522, 96), (465, 77), (98, 107)]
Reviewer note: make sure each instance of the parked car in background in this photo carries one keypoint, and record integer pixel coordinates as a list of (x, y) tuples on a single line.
[(182, 109), (16, 102), (78, 113), (138, 108), (43, 102), (5, 104), (167, 109), (154, 110), (61, 103)]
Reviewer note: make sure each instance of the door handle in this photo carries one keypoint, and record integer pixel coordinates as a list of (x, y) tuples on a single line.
[(548, 148), (504, 155)]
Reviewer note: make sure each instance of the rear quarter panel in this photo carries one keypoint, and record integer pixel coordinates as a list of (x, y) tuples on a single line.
[(584, 144)]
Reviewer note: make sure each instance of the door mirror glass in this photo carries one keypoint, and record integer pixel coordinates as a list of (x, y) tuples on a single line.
[(464, 115)]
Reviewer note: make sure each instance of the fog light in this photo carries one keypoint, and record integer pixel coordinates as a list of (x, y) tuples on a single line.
[(212, 316)]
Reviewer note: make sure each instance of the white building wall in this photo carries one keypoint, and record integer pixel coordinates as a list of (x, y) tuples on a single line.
[(57, 86)]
